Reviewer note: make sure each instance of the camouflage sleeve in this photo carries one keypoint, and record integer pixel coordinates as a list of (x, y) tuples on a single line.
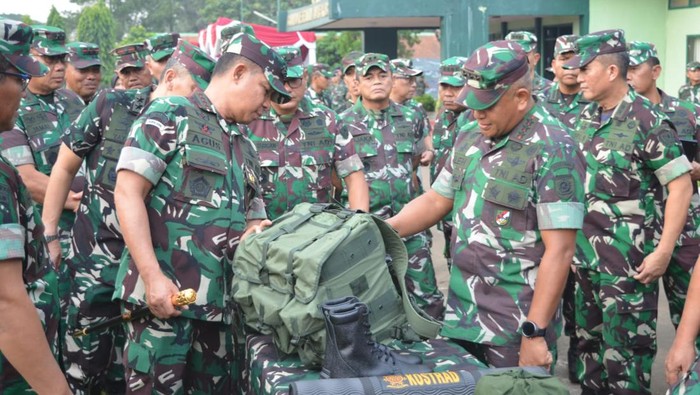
[(421, 132), (151, 144), (86, 132), (443, 182), (12, 233), (663, 153), (684, 93), (257, 209), (559, 187), (15, 146), (345, 157)]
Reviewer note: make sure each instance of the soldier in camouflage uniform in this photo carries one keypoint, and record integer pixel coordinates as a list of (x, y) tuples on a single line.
[(229, 31), (642, 74), (389, 140), (515, 180), (28, 281), (84, 70), (131, 68), (682, 364), (528, 41), (691, 92), (299, 143), (160, 48), (338, 93), (187, 190), (443, 135), (93, 362), (345, 94), (319, 81), (632, 152)]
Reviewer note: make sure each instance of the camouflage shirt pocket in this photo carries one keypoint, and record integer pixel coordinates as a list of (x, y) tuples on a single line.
[(202, 174), (505, 210), (613, 175), (636, 312)]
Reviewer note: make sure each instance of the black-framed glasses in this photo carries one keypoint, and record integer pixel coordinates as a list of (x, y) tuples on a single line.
[(51, 60), (294, 82), (22, 77)]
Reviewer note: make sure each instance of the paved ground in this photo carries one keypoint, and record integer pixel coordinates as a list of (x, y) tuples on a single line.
[(665, 328)]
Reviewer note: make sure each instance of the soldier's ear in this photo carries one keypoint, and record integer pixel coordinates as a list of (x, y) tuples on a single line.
[(238, 71)]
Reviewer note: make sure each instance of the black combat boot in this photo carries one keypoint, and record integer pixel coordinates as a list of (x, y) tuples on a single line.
[(343, 303), (351, 352)]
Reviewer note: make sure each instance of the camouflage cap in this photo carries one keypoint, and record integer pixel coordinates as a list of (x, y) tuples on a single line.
[(349, 60), (594, 44), (292, 55), (322, 68), (82, 55), (162, 45), (527, 40), (404, 68), (565, 43), (129, 56), (230, 31), (490, 71), (451, 71), (197, 62), (15, 41), (694, 65), (274, 67), (640, 52), (49, 40), (372, 59)]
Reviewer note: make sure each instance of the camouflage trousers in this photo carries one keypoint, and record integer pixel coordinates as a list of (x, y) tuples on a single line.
[(677, 278), (93, 362), (616, 328), (44, 295), (501, 356), (420, 276), (689, 383), (180, 355)]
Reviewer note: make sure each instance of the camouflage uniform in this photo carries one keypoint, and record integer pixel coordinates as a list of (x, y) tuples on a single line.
[(83, 55), (387, 142), (505, 193), (205, 175), (528, 41), (630, 156), (339, 97), (690, 92), (566, 108), (689, 383), (323, 97), (297, 157)]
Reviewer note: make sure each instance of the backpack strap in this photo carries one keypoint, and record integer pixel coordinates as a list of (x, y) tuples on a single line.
[(422, 324)]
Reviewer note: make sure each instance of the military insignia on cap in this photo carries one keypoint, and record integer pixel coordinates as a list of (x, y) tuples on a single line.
[(474, 79), (503, 218)]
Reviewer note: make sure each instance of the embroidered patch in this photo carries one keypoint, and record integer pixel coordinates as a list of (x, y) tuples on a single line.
[(503, 218), (564, 186)]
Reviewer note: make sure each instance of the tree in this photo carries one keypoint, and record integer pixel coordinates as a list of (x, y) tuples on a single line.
[(26, 19), (407, 39), (137, 34), (331, 48), (97, 26), (56, 20)]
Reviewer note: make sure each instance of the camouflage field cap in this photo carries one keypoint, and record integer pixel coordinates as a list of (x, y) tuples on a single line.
[(565, 43), (694, 65), (82, 55), (232, 30), (451, 71), (372, 59), (594, 44), (527, 40), (640, 52), (403, 67), (349, 60), (15, 41), (197, 62), (322, 68), (292, 55), (274, 67), (129, 56), (49, 40), (490, 71), (162, 45)]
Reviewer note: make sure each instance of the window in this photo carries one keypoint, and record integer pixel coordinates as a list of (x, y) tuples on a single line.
[(683, 3), (693, 49)]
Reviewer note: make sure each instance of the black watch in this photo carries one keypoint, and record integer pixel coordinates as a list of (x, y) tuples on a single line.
[(529, 329), (50, 238)]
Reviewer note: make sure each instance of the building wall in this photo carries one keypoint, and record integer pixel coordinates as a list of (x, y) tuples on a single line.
[(681, 24)]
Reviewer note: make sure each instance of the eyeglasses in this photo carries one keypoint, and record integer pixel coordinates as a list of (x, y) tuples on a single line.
[(21, 77), (53, 59), (294, 82)]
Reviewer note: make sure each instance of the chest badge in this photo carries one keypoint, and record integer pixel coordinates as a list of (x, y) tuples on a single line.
[(503, 218)]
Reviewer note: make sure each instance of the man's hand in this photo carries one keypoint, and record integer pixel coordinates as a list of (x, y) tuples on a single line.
[(534, 352), (55, 252), (695, 172), (653, 267), (256, 228), (426, 157), (678, 361), (159, 292), (73, 201)]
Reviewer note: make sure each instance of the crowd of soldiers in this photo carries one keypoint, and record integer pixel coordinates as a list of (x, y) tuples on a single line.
[(581, 190)]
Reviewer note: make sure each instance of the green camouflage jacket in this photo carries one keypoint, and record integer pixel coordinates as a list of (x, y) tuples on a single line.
[(205, 188), (629, 157), (505, 193), (317, 98), (297, 158), (566, 108), (338, 96), (386, 142), (690, 93)]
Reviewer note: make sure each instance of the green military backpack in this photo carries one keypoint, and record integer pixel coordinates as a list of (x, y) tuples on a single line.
[(315, 253)]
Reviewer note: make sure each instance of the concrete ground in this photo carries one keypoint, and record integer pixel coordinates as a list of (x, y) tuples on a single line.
[(665, 330)]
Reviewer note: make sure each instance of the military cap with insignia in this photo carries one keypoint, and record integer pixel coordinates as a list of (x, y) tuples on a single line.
[(404, 68), (640, 52), (594, 44), (83, 55), (349, 60), (292, 55), (694, 65), (15, 41), (451, 71), (565, 43), (527, 40), (130, 55), (365, 62), (49, 40), (322, 68), (196, 61), (162, 45)]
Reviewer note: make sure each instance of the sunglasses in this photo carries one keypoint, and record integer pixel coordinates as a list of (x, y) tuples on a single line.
[(294, 82), (21, 77), (51, 60)]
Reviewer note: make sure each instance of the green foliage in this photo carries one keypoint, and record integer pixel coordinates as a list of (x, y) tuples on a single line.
[(137, 34), (331, 48), (427, 101), (56, 20), (407, 39), (28, 20), (96, 25)]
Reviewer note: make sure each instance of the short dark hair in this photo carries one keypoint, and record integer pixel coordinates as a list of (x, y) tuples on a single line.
[(653, 61), (4, 64), (172, 63), (619, 59), (228, 60)]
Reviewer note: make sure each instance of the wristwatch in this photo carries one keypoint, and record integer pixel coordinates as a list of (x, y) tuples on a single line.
[(529, 329), (50, 238)]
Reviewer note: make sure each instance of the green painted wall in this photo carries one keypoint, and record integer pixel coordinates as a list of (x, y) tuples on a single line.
[(681, 24)]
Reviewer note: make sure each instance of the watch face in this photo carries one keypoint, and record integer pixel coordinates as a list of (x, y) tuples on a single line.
[(528, 328)]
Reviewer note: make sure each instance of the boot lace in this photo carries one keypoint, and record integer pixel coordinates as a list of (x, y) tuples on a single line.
[(381, 351)]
